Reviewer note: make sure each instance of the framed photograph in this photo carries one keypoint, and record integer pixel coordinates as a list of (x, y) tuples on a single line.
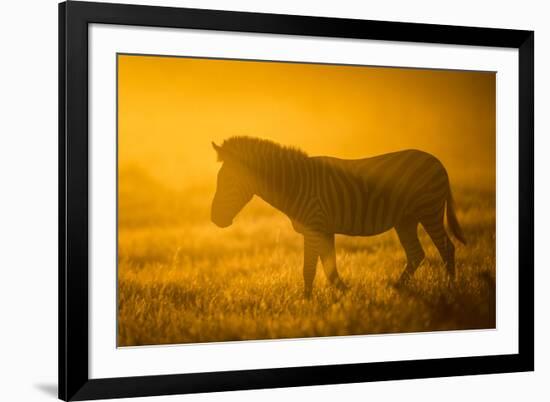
[(257, 200)]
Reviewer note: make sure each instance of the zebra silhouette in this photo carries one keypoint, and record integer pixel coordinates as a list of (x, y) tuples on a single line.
[(324, 196)]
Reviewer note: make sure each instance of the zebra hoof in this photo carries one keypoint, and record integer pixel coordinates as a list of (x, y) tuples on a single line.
[(451, 282), (342, 287), (402, 282)]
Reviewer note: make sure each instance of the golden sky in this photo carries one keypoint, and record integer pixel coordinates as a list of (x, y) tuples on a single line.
[(171, 108)]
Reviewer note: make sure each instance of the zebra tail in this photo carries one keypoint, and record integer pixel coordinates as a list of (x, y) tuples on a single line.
[(451, 218)]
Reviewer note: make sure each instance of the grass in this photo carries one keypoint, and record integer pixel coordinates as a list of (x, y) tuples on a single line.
[(182, 280)]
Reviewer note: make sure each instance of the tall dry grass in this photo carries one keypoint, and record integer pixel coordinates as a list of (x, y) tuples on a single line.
[(182, 280)]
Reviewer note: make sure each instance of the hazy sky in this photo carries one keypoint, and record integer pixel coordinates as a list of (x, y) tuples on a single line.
[(171, 108)]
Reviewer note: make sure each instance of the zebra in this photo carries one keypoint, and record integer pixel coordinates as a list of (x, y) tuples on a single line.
[(324, 196)]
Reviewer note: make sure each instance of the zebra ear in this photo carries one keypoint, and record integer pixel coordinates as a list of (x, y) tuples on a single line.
[(218, 150)]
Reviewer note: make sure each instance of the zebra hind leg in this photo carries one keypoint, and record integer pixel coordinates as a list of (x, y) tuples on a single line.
[(328, 258), (407, 231), (436, 230)]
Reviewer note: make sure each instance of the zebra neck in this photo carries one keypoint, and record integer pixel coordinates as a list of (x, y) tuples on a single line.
[(285, 186)]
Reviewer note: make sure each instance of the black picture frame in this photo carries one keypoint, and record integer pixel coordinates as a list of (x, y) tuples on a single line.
[(74, 381)]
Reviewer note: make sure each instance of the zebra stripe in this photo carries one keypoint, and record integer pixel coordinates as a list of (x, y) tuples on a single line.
[(324, 196)]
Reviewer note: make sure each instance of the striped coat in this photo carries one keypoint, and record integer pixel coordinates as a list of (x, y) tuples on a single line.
[(324, 196)]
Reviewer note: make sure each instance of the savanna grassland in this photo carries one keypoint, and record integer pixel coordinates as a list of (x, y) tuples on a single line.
[(181, 279)]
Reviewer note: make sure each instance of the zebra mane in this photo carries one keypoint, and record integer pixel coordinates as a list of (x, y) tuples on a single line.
[(252, 151)]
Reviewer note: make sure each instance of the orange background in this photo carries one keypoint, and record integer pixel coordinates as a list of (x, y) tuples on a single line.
[(171, 108)]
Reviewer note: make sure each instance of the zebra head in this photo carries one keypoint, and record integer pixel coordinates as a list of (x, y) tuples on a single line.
[(233, 189)]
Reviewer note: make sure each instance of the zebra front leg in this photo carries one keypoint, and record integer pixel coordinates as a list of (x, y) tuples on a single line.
[(311, 256), (328, 258)]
